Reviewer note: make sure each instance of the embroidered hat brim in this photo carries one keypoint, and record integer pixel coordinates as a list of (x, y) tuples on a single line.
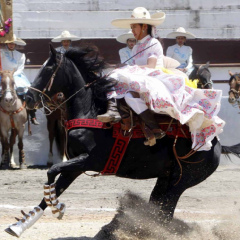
[(124, 37), (155, 20)]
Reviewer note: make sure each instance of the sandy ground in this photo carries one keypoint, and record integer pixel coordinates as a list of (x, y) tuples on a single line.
[(92, 203)]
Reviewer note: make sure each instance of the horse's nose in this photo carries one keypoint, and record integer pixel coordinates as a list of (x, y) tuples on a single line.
[(8, 99)]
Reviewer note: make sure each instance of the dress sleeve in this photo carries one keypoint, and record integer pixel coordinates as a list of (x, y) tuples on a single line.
[(155, 51), (20, 66), (189, 60)]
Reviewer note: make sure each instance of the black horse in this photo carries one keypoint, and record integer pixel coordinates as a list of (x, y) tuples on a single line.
[(203, 74), (78, 75)]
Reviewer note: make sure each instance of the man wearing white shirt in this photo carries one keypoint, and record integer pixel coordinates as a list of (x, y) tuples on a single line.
[(180, 51), (126, 53)]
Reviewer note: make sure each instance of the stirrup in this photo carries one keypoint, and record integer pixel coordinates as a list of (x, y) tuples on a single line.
[(158, 134)]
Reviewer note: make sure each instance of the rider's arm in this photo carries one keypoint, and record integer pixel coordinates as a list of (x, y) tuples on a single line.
[(189, 60), (154, 55), (169, 52), (20, 67), (151, 63)]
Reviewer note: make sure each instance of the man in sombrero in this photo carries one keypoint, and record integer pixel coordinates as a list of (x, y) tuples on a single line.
[(13, 60), (65, 39), (180, 51), (147, 89), (126, 52)]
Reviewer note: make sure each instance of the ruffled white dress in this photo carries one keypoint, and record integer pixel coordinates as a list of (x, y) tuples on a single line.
[(167, 94)]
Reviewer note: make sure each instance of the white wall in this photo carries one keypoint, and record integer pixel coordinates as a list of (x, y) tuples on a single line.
[(91, 19)]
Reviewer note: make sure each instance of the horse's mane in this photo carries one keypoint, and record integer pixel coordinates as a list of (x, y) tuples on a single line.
[(90, 64), (87, 59)]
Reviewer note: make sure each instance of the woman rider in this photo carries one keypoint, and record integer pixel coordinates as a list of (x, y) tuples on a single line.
[(160, 92)]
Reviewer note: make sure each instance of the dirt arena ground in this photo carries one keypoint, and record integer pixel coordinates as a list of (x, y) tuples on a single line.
[(207, 211)]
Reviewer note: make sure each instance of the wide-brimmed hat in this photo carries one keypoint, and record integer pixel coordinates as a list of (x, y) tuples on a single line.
[(124, 37), (140, 15), (65, 35), (181, 32), (17, 41)]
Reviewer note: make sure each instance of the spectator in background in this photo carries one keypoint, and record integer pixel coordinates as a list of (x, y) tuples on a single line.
[(66, 39), (180, 51), (13, 60), (126, 52)]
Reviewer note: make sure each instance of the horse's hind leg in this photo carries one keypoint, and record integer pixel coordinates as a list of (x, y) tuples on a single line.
[(166, 197)]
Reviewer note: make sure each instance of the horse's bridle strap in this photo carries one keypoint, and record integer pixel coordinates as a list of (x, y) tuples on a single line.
[(12, 113)]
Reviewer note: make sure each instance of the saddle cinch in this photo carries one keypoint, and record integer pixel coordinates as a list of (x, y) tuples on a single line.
[(130, 121)]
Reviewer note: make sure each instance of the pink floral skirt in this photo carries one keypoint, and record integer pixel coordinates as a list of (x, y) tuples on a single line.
[(167, 94)]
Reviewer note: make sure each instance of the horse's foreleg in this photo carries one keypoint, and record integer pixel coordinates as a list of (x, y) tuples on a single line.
[(22, 162), (5, 150), (69, 172), (50, 127), (12, 142)]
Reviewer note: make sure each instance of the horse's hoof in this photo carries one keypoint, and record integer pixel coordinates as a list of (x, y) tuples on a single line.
[(5, 167), (9, 231), (59, 212), (23, 166)]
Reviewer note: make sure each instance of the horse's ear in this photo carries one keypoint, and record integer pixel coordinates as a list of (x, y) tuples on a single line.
[(52, 50), (207, 64), (230, 73)]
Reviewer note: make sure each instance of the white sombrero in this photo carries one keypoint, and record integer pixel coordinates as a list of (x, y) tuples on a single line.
[(181, 32), (65, 35), (17, 41), (124, 37), (140, 15)]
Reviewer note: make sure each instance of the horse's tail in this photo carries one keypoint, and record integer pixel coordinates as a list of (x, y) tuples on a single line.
[(60, 137), (235, 149)]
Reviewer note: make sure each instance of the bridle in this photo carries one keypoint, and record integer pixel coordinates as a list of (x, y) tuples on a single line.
[(198, 76), (48, 87), (50, 82), (235, 92)]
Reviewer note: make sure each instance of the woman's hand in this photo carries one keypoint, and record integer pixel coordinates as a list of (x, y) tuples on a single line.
[(119, 65)]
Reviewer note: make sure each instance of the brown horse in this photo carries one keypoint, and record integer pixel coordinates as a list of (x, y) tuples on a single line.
[(55, 126), (13, 116), (234, 88)]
